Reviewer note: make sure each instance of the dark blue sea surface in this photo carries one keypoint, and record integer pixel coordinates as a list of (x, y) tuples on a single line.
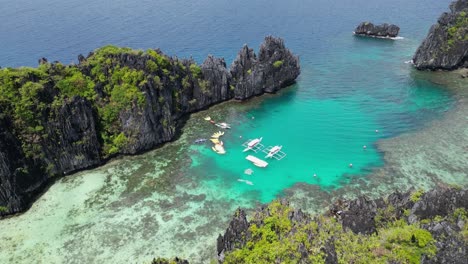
[(60, 30)]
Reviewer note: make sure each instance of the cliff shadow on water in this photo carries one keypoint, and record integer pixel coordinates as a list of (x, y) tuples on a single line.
[(58, 119)]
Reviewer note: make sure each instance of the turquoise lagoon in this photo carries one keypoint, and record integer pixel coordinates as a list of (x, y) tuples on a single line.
[(176, 199)]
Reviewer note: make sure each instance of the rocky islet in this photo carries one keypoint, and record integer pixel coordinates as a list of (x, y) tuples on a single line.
[(379, 31)]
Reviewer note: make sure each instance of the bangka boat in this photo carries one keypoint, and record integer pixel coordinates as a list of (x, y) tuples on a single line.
[(273, 151), (200, 140), (252, 144), (223, 125)]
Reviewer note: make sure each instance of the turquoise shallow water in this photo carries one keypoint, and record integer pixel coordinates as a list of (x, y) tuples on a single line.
[(176, 199), (324, 121)]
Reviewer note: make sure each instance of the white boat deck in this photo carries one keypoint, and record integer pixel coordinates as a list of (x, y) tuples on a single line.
[(256, 161), (258, 147), (278, 155)]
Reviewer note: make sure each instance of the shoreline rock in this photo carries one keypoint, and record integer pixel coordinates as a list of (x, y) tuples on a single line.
[(446, 44), (385, 30), (439, 216), (129, 102)]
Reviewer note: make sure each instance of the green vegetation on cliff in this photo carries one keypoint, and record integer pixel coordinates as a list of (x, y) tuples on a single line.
[(168, 261), (277, 63), (447, 41), (113, 79), (278, 239), (459, 31), (398, 229), (21, 97)]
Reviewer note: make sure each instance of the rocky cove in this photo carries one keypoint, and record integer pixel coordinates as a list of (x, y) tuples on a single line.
[(404, 227), (58, 119)]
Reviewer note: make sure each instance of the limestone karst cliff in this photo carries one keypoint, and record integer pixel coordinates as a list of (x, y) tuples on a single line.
[(56, 119), (446, 44), (381, 31), (409, 227)]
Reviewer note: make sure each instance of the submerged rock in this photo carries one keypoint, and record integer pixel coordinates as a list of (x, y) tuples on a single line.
[(383, 31), (446, 44)]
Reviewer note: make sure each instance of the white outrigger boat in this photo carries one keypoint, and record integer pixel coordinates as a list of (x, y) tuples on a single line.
[(253, 144), (223, 125), (256, 161), (274, 152)]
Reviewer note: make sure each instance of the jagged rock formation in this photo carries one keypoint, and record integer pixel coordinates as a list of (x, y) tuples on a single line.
[(446, 44), (57, 119), (20, 176), (235, 235), (63, 133), (176, 260), (274, 68), (381, 31), (411, 227)]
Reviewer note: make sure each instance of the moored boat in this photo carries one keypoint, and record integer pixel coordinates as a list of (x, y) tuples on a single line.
[(223, 125), (273, 151), (200, 140), (251, 144)]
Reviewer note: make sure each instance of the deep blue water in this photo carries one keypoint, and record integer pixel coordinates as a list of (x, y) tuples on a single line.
[(60, 30)]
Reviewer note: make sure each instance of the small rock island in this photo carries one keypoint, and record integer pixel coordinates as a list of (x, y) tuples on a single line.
[(446, 44), (385, 30)]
